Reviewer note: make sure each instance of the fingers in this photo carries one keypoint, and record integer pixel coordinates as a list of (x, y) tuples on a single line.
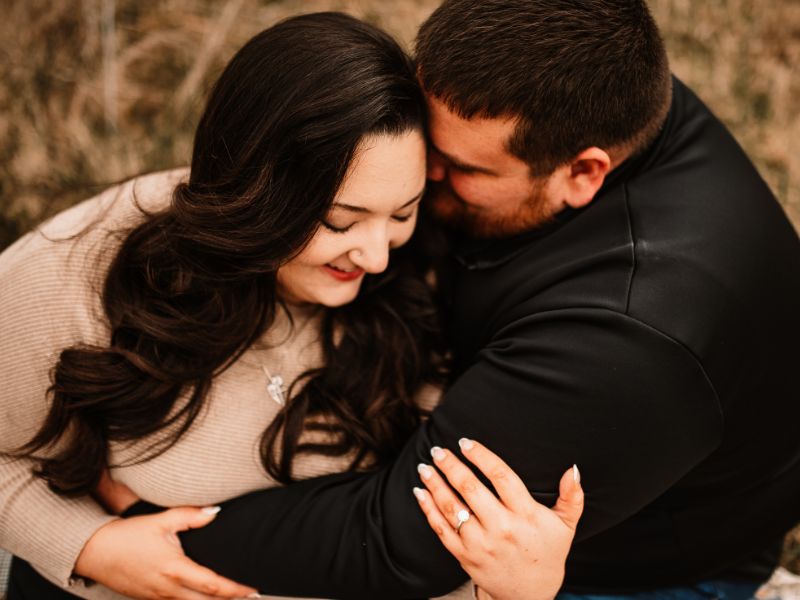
[(447, 502), (206, 582), (440, 525), (115, 496), (105, 482), (187, 517), (509, 486), (569, 505), (480, 500), (177, 592), (196, 580)]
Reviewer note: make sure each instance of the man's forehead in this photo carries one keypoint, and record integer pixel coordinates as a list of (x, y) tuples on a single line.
[(475, 141)]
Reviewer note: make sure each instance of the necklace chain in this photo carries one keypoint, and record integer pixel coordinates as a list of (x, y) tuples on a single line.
[(275, 384)]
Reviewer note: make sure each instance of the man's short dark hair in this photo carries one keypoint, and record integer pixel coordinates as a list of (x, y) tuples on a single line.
[(577, 73)]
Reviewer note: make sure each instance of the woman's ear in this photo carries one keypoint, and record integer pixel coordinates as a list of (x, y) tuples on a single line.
[(579, 180)]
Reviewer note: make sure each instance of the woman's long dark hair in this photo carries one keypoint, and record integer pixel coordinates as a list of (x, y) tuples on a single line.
[(192, 287)]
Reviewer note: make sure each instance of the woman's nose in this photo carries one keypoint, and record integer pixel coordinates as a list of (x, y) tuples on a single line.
[(372, 254)]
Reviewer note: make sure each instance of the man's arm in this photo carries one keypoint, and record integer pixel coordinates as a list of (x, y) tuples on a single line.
[(629, 405)]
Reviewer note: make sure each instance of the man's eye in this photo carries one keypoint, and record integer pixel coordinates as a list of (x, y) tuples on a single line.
[(335, 229)]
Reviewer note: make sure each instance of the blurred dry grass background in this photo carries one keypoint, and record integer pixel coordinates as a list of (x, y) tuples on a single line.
[(95, 91)]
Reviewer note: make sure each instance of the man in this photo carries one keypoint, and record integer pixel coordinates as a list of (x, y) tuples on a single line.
[(625, 295)]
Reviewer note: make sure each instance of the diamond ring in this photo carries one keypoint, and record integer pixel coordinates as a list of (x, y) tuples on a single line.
[(462, 516)]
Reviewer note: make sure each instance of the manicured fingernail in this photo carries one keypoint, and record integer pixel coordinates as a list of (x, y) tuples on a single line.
[(256, 595), (576, 475), (211, 510), (418, 493), (465, 444), (424, 471), (437, 453), (463, 516)]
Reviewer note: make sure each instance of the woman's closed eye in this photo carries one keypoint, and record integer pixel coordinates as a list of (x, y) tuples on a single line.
[(336, 229), (405, 217), (345, 228)]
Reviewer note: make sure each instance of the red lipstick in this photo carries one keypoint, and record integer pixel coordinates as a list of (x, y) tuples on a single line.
[(341, 275)]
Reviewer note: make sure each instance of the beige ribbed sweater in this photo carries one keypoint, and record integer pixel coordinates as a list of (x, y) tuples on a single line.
[(49, 299)]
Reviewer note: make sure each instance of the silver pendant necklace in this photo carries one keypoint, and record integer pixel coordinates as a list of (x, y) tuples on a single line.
[(275, 386)]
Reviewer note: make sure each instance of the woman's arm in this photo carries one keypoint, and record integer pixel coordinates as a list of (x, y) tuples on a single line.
[(45, 529), (141, 557), (47, 304), (69, 539), (157, 566)]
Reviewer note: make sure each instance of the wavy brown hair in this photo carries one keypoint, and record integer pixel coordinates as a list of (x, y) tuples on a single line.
[(193, 287)]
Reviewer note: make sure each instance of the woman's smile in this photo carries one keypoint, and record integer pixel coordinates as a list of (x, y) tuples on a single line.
[(341, 274), (374, 211)]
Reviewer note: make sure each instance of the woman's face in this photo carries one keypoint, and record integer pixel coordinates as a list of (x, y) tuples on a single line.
[(375, 210)]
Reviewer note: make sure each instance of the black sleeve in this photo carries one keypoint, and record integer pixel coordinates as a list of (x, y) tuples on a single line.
[(630, 406)]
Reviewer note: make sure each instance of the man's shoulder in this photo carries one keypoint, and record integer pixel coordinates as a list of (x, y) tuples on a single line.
[(710, 242)]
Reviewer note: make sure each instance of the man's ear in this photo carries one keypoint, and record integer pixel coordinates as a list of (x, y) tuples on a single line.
[(583, 176)]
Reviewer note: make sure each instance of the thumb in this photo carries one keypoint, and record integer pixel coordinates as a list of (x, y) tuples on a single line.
[(569, 505), (188, 517)]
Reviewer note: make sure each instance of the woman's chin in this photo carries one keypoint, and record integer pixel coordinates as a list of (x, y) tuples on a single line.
[(330, 298), (336, 299)]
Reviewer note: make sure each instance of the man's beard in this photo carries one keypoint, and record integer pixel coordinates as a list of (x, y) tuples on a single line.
[(481, 223)]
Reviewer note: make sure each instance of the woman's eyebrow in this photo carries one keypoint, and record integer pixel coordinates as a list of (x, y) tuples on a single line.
[(363, 210)]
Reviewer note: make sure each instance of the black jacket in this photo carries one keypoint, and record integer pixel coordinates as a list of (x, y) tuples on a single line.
[(650, 337)]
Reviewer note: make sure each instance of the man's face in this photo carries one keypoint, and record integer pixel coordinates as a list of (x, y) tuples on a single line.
[(476, 185)]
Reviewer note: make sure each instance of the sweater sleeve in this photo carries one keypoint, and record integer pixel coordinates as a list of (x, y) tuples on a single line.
[(46, 530), (628, 404), (46, 304), (50, 282)]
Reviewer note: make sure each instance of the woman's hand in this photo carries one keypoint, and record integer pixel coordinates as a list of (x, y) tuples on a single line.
[(141, 557), (114, 496), (512, 547)]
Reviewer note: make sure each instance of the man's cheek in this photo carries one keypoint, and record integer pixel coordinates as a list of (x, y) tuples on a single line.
[(471, 193)]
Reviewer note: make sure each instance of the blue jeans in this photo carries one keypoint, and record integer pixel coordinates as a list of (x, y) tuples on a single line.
[(720, 589)]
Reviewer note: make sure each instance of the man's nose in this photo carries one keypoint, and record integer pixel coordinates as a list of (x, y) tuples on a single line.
[(437, 168)]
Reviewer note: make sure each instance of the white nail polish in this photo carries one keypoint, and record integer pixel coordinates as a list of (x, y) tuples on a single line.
[(256, 595), (211, 510), (437, 453), (418, 493), (576, 475), (465, 444), (424, 471)]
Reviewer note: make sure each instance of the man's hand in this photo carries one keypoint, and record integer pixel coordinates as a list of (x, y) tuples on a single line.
[(141, 557)]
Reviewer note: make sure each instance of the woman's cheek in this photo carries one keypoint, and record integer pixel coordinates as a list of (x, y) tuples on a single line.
[(324, 247), (405, 232)]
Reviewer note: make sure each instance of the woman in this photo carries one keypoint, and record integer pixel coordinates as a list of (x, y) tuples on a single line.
[(267, 263)]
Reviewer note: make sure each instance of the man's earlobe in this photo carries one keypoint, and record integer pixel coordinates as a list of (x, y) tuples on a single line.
[(588, 170)]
